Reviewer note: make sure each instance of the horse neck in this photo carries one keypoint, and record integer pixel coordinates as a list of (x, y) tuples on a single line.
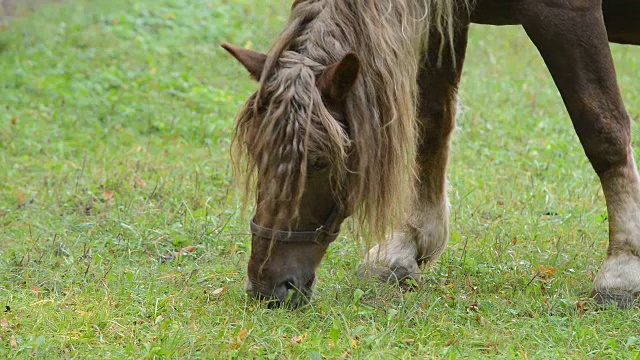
[(325, 30)]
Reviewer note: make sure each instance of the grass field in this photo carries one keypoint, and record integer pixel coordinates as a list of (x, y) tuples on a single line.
[(120, 232)]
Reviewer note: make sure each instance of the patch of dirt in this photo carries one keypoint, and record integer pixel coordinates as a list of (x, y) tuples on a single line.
[(7, 8), (13, 8)]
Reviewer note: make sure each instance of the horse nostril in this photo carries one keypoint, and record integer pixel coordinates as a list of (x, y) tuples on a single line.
[(288, 284), (291, 292), (286, 289)]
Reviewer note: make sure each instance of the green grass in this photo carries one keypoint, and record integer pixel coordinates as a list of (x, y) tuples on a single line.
[(115, 123)]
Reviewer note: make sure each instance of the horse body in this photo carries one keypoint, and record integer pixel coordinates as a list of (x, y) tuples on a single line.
[(620, 16), (340, 127)]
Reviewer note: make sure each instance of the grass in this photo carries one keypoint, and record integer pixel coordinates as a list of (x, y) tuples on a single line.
[(120, 235)]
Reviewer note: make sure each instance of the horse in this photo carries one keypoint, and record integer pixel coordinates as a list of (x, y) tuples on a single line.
[(354, 114)]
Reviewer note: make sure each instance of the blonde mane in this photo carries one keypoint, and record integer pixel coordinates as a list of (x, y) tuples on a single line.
[(284, 128)]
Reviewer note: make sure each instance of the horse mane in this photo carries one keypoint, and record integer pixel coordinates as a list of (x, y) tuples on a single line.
[(284, 127)]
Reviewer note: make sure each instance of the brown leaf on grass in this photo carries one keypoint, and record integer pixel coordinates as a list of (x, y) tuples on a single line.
[(239, 338), (473, 307), (139, 182), (452, 341), (20, 199), (242, 335), (4, 324), (14, 121), (36, 290), (582, 306), (408, 341), (178, 254), (546, 272), (219, 291), (188, 249), (300, 339), (108, 196), (13, 342)]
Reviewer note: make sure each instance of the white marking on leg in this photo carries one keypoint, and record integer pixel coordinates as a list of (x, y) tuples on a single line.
[(431, 225), (399, 251), (620, 272), (422, 241)]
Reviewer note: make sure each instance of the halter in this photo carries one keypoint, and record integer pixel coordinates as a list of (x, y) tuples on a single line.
[(321, 236)]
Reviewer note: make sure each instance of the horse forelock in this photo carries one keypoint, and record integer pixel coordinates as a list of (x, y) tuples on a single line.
[(282, 127), (285, 122)]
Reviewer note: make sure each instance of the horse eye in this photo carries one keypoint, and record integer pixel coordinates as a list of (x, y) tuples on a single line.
[(316, 167)]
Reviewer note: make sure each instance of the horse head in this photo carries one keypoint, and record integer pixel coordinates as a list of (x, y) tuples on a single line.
[(295, 137)]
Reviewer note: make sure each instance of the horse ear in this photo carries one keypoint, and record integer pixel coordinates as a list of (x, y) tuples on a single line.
[(253, 61), (338, 78)]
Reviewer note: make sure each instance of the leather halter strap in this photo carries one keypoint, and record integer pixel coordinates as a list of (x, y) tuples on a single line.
[(321, 236)]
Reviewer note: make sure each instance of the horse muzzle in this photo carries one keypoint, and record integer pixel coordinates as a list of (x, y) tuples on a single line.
[(288, 293)]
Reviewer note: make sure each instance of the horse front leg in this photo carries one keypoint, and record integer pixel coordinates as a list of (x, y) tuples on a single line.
[(572, 39), (423, 236)]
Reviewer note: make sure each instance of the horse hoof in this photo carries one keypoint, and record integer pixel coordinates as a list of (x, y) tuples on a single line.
[(624, 300), (400, 275)]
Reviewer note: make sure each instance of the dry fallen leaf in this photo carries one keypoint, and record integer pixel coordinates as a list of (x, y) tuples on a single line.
[(139, 182), (108, 195), (452, 341), (243, 334), (14, 121), (20, 199), (547, 272), (14, 342), (178, 254), (582, 306), (188, 249), (36, 290), (4, 324), (219, 291), (300, 339), (473, 307)]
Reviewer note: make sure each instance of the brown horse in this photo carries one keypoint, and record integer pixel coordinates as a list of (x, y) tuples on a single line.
[(340, 127)]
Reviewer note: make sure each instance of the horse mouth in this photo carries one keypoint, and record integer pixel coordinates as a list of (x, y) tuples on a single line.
[(294, 299), (287, 297)]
